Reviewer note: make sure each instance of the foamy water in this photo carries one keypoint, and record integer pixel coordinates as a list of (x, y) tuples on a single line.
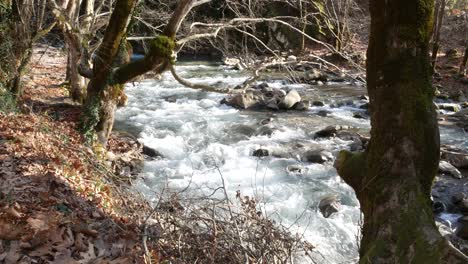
[(196, 135)]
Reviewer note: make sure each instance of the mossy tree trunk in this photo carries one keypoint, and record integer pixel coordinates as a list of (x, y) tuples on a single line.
[(108, 79), (393, 177)]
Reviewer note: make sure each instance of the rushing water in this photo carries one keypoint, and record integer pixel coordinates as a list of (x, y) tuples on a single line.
[(195, 133)]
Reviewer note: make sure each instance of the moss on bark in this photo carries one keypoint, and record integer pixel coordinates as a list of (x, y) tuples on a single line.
[(398, 167)]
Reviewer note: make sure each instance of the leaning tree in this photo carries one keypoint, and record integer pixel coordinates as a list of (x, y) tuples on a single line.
[(393, 177), (108, 75)]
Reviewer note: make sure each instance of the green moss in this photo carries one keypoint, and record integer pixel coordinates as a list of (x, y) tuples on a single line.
[(162, 46), (352, 168), (90, 119)]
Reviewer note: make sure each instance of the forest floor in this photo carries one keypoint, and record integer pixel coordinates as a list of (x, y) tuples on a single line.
[(60, 201)]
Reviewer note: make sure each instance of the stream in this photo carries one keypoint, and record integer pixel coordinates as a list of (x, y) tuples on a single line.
[(195, 134)]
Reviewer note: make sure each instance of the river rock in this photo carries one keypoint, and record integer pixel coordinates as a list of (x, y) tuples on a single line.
[(264, 131), (323, 113), (261, 153), (317, 156), (317, 103), (244, 130), (438, 207), (266, 121), (449, 107), (295, 168), (364, 98), (291, 98), (358, 115), (261, 86), (302, 105), (150, 152), (272, 104), (243, 101), (459, 160), (329, 131), (445, 167), (347, 135), (364, 106), (329, 205), (316, 75)]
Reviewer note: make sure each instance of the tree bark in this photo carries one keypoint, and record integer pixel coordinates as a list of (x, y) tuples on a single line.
[(108, 79), (77, 82), (393, 177)]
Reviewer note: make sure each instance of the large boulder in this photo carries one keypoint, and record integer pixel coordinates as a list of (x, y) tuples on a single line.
[(291, 98), (329, 205), (243, 101)]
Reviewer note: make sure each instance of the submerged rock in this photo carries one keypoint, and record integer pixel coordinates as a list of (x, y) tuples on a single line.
[(150, 152), (244, 130), (318, 103), (329, 131), (359, 115), (264, 131), (329, 205), (323, 113), (302, 105), (438, 207), (317, 156), (261, 153), (295, 168)]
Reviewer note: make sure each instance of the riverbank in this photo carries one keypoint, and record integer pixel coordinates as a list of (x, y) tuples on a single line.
[(66, 201), (60, 199)]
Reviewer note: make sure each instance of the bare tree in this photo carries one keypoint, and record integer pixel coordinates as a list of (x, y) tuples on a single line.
[(24, 24), (107, 80), (439, 17), (79, 21)]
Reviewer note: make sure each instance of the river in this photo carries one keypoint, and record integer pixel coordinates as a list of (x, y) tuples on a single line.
[(195, 134)]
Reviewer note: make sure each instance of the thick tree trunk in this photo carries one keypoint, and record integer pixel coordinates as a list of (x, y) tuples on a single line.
[(108, 79), (77, 82), (393, 178)]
